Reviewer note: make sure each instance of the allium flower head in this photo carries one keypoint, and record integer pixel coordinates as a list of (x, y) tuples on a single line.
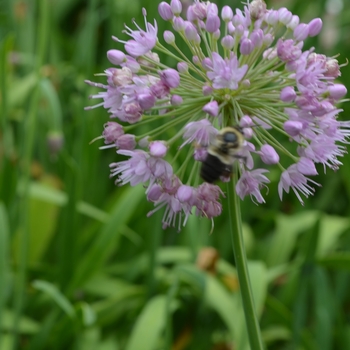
[(240, 72)]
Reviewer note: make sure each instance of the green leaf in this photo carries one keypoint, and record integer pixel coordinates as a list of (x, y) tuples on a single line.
[(20, 89), (88, 314), (47, 193), (43, 216), (258, 279), (26, 324), (5, 283), (173, 255), (54, 115), (331, 229), (6, 342), (188, 273), (55, 294), (105, 286), (149, 325), (324, 310), (275, 333), (224, 303), (339, 261), (107, 240), (89, 338), (287, 230)]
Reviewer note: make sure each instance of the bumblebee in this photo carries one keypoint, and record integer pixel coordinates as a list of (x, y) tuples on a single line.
[(222, 153)]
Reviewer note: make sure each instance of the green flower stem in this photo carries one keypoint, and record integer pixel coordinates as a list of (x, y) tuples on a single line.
[(242, 269)]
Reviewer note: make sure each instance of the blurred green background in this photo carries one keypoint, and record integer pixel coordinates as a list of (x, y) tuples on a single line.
[(82, 267)]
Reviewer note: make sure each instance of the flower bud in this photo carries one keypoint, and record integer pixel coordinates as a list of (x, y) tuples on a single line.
[(207, 63), (132, 112), (246, 47), (293, 22), (257, 9), (176, 7), (154, 192), (261, 123), (144, 142), (270, 53), (126, 141), (190, 31), (246, 83), (176, 100), (288, 94), (272, 17), (301, 32), (115, 57), (245, 121), (179, 24), (153, 56), (231, 28), (165, 11), (248, 133), (112, 131), (268, 39), (197, 40), (121, 77), (332, 67), (284, 15), (226, 13), (306, 166), (315, 27), (337, 91), (146, 101), (239, 30), (182, 67), (212, 24), (190, 14), (160, 89), (55, 141), (157, 149), (293, 127), (195, 60), (257, 37), (169, 37), (207, 90), (212, 108), (217, 34), (227, 42), (268, 155), (132, 64), (184, 193), (212, 9), (170, 77), (239, 20)]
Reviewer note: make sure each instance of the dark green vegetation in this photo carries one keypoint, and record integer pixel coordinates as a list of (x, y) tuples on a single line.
[(81, 267)]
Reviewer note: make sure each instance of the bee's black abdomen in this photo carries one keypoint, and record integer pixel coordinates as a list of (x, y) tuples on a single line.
[(212, 169)]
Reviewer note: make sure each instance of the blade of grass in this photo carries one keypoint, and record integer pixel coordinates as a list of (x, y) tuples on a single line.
[(149, 325), (29, 130), (4, 259)]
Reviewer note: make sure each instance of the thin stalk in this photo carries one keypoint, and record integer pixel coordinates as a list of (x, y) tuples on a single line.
[(251, 319)]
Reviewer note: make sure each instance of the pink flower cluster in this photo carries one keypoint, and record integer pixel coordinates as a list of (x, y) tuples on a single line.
[(239, 73)]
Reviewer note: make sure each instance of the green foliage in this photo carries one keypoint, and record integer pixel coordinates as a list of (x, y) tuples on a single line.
[(82, 267)]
